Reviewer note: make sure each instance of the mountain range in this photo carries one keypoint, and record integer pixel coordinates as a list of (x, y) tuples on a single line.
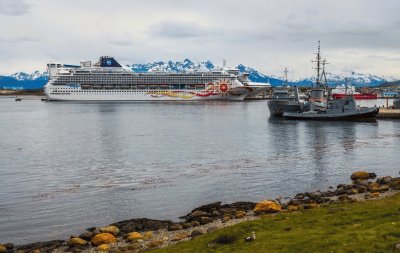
[(37, 79)]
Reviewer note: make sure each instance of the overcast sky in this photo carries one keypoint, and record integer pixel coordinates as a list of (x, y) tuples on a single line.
[(359, 35)]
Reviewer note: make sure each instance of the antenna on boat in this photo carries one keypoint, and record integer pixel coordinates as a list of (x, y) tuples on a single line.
[(286, 71), (323, 74), (318, 68)]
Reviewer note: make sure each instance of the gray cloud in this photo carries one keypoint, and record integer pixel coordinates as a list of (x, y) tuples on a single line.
[(176, 29), (267, 35), (14, 7)]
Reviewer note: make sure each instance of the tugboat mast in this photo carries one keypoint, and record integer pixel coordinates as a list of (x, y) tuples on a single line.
[(319, 61), (286, 78)]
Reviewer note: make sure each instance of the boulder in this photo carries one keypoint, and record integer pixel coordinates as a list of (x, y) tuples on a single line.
[(205, 220), (180, 236), (384, 180), (197, 214), (103, 247), (195, 223), (215, 213), (110, 229), (91, 229), (395, 185), (375, 190), (103, 238), (384, 188), (292, 208), (345, 198), (196, 232), (373, 185), (340, 192), (228, 210), (375, 194), (96, 232), (76, 241), (9, 245), (362, 189), (3, 248), (148, 235), (186, 225), (310, 206), (360, 182), (226, 218), (133, 246), (362, 175), (352, 192), (300, 196), (240, 214), (209, 207), (134, 236), (86, 236), (241, 205), (175, 227), (155, 243), (267, 206)]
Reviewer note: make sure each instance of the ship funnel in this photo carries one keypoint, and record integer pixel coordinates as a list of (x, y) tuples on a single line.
[(107, 61)]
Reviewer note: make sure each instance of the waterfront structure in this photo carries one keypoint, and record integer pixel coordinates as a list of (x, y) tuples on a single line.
[(107, 80)]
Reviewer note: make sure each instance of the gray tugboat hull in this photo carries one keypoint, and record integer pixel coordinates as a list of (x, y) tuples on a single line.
[(362, 115), (278, 107)]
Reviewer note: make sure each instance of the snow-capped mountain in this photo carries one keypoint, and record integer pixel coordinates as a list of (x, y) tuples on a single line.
[(22, 76), (351, 77), (185, 66), (24, 81), (38, 79)]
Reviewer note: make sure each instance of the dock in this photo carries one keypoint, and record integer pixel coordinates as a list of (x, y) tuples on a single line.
[(387, 113)]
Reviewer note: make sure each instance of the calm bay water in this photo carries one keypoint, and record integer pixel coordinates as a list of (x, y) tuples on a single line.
[(68, 166)]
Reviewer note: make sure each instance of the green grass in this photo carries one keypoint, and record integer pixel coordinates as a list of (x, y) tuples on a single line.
[(372, 226)]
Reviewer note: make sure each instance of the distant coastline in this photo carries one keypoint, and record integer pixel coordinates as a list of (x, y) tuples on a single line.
[(6, 92)]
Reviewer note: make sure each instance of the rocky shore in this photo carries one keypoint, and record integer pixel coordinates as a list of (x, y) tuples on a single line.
[(141, 234)]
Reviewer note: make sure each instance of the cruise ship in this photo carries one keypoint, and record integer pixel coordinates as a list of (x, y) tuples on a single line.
[(107, 80)]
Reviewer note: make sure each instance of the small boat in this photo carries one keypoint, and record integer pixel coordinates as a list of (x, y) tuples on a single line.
[(17, 99), (343, 90), (283, 100)]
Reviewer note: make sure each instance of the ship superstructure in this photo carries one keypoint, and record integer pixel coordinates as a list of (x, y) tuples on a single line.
[(107, 80)]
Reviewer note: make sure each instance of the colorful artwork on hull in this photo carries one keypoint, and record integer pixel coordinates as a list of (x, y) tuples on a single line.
[(220, 87)]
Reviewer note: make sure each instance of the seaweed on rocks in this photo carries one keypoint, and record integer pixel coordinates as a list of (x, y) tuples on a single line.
[(142, 224), (44, 247)]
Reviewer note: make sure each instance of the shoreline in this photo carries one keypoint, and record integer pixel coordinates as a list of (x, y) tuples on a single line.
[(142, 234)]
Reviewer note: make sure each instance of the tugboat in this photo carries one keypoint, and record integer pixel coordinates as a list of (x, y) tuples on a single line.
[(283, 100), (339, 109), (319, 107)]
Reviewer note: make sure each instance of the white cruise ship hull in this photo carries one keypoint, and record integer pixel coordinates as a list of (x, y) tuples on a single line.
[(237, 94)]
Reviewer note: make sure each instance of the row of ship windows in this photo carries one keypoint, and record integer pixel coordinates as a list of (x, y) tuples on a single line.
[(143, 87), (205, 79), (105, 91)]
